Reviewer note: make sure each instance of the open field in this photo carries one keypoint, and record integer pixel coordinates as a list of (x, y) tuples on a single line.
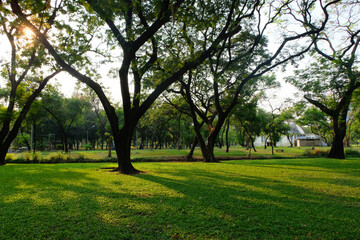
[(313, 198), (173, 154)]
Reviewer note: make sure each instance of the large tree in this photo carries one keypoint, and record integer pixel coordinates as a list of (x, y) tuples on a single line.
[(333, 76), (25, 71), (144, 31), (242, 62)]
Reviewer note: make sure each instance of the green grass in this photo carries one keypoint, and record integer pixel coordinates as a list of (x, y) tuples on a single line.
[(171, 154), (247, 199)]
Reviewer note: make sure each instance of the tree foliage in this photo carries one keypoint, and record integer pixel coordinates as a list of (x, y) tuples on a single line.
[(25, 71), (333, 76)]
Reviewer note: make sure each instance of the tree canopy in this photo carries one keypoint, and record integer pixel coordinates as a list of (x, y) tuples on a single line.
[(333, 76), (215, 54)]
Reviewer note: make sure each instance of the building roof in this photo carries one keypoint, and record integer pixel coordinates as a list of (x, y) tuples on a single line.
[(308, 136)]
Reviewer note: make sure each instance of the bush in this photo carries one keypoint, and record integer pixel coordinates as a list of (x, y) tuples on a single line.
[(352, 152), (9, 157), (59, 157), (316, 152), (80, 158), (27, 156), (88, 147), (37, 157)]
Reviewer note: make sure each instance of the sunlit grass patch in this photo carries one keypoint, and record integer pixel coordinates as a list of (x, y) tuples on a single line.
[(252, 199)]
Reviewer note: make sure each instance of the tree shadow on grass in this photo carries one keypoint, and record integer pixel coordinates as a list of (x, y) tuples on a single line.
[(252, 207), (330, 169), (350, 165), (189, 201), (52, 202)]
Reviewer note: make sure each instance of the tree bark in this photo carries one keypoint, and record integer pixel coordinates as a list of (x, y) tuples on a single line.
[(3, 152), (252, 143), (189, 157), (227, 135), (207, 149), (109, 146), (337, 148), (122, 140), (123, 147)]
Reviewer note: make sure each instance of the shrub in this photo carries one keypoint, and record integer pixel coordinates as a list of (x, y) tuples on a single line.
[(59, 157), (80, 157), (27, 156), (352, 152), (9, 157), (88, 147), (36, 157), (19, 159), (316, 152)]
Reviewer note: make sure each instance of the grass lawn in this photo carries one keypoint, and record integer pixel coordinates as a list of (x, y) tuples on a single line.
[(166, 154), (243, 199)]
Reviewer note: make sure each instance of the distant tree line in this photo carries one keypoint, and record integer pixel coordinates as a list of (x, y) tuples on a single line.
[(56, 122)]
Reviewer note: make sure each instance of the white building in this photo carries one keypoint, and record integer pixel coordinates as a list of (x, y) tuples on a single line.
[(297, 136)]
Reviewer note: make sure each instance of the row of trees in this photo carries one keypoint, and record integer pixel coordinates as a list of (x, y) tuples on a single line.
[(213, 55), (55, 121)]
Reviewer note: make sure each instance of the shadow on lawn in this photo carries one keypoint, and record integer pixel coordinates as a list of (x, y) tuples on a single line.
[(347, 166), (48, 202), (173, 201), (246, 206)]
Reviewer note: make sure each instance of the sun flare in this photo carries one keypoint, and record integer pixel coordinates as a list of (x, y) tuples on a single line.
[(28, 33)]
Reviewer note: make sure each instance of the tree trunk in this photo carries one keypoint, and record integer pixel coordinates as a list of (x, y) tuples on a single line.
[(290, 141), (65, 147), (122, 142), (337, 148), (189, 157), (208, 155), (123, 147), (265, 146), (252, 143), (247, 142), (249, 153), (227, 135), (28, 145), (3, 152), (207, 150), (109, 146), (5, 145)]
